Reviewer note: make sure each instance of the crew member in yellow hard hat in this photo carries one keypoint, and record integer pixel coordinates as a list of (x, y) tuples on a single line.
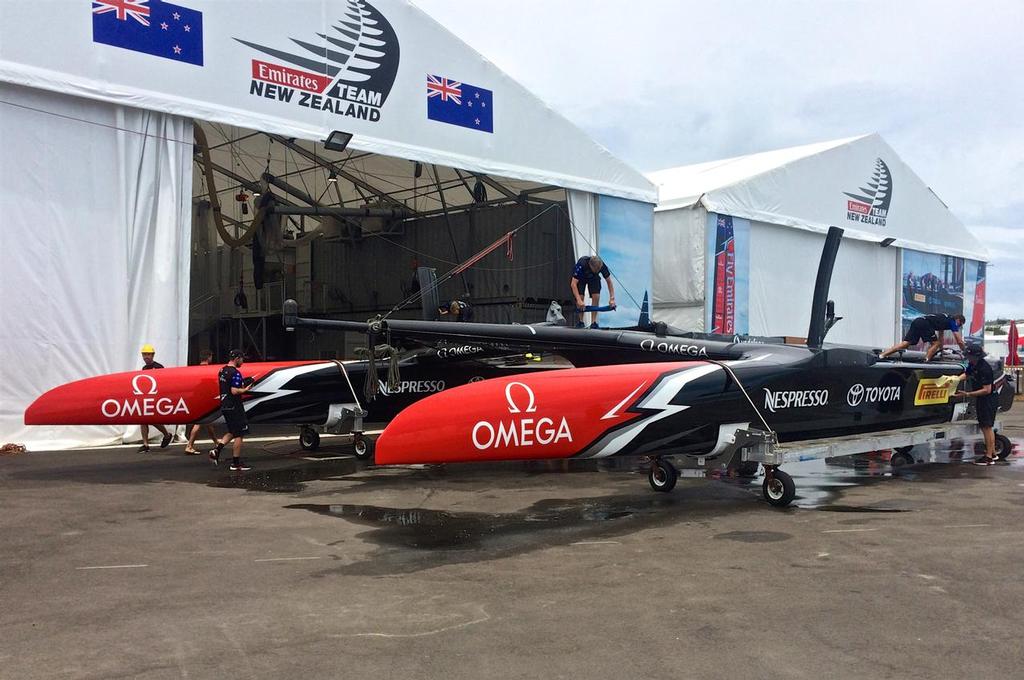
[(148, 364)]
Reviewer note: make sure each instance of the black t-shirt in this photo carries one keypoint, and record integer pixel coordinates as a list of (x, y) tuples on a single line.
[(227, 378), (981, 374), (149, 367), (582, 271), (942, 322)]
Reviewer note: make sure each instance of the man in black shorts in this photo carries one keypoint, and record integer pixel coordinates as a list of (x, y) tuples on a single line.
[(982, 380), (232, 387), (932, 329), (149, 364), (586, 275)]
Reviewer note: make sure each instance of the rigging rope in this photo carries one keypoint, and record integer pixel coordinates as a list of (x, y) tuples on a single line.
[(463, 266)]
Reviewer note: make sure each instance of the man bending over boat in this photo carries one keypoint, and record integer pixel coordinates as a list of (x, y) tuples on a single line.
[(586, 278), (931, 329)]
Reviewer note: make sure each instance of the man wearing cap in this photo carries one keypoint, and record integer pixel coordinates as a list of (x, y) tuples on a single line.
[(232, 387), (987, 404), (586, 275), (148, 352), (932, 329)]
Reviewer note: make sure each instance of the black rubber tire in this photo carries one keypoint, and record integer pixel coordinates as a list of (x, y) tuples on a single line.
[(748, 468), (900, 459), (662, 476), (363, 448), (309, 439), (778, 488), (1004, 447)]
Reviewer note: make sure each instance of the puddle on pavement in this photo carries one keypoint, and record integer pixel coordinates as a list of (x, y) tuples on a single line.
[(414, 539), (417, 538), (442, 530), (288, 479), (754, 536)]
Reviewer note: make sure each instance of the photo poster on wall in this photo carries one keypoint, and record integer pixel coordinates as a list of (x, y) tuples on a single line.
[(943, 284), (625, 236), (726, 275)]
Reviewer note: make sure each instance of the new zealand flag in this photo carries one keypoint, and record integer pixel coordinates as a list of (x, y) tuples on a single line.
[(462, 104), (151, 27)]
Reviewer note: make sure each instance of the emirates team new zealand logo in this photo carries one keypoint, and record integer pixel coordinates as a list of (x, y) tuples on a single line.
[(871, 205), (349, 71)]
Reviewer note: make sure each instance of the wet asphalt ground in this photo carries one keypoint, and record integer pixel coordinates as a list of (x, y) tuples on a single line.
[(114, 564)]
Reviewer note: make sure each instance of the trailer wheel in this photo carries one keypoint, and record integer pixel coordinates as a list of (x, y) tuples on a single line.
[(309, 439), (901, 458), (363, 447), (662, 476), (778, 488), (1004, 447)]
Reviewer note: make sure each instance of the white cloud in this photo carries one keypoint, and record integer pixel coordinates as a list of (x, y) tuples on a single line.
[(663, 83)]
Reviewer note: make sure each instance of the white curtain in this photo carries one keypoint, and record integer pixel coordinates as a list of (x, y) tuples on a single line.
[(583, 213), (94, 249), (678, 255)]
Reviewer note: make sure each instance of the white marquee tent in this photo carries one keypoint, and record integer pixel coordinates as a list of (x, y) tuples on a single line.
[(737, 241), (97, 102)]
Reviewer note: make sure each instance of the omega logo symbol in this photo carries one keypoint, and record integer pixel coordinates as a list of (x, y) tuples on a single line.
[(531, 404), (136, 389)]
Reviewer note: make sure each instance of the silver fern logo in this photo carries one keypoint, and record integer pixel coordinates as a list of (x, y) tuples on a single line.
[(348, 71), (871, 204)]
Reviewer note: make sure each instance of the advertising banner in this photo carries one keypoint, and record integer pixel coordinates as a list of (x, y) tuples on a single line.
[(727, 274), (943, 284), (974, 300), (625, 232), (932, 284)]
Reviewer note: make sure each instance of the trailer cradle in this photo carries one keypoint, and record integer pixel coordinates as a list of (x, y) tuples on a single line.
[(770, 454), (338, 416), (745, 449)]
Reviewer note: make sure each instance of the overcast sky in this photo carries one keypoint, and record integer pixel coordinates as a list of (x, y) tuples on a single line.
[(665, 83)]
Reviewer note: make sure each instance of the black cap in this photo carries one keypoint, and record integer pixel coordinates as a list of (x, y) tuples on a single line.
[(236, 354), (974, 350)]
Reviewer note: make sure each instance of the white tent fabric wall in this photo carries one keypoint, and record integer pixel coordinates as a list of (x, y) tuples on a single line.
[(96, 233), (583, 215), (783, 266), (678, 256)]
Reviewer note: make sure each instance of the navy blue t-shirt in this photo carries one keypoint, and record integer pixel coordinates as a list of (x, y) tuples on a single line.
[(227, 378), (582, 271), (942, 322)]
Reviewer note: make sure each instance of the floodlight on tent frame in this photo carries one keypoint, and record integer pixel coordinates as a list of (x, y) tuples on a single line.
[(338, 141)]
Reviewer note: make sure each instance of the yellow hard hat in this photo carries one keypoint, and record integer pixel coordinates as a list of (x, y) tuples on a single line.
[(148, 349)]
